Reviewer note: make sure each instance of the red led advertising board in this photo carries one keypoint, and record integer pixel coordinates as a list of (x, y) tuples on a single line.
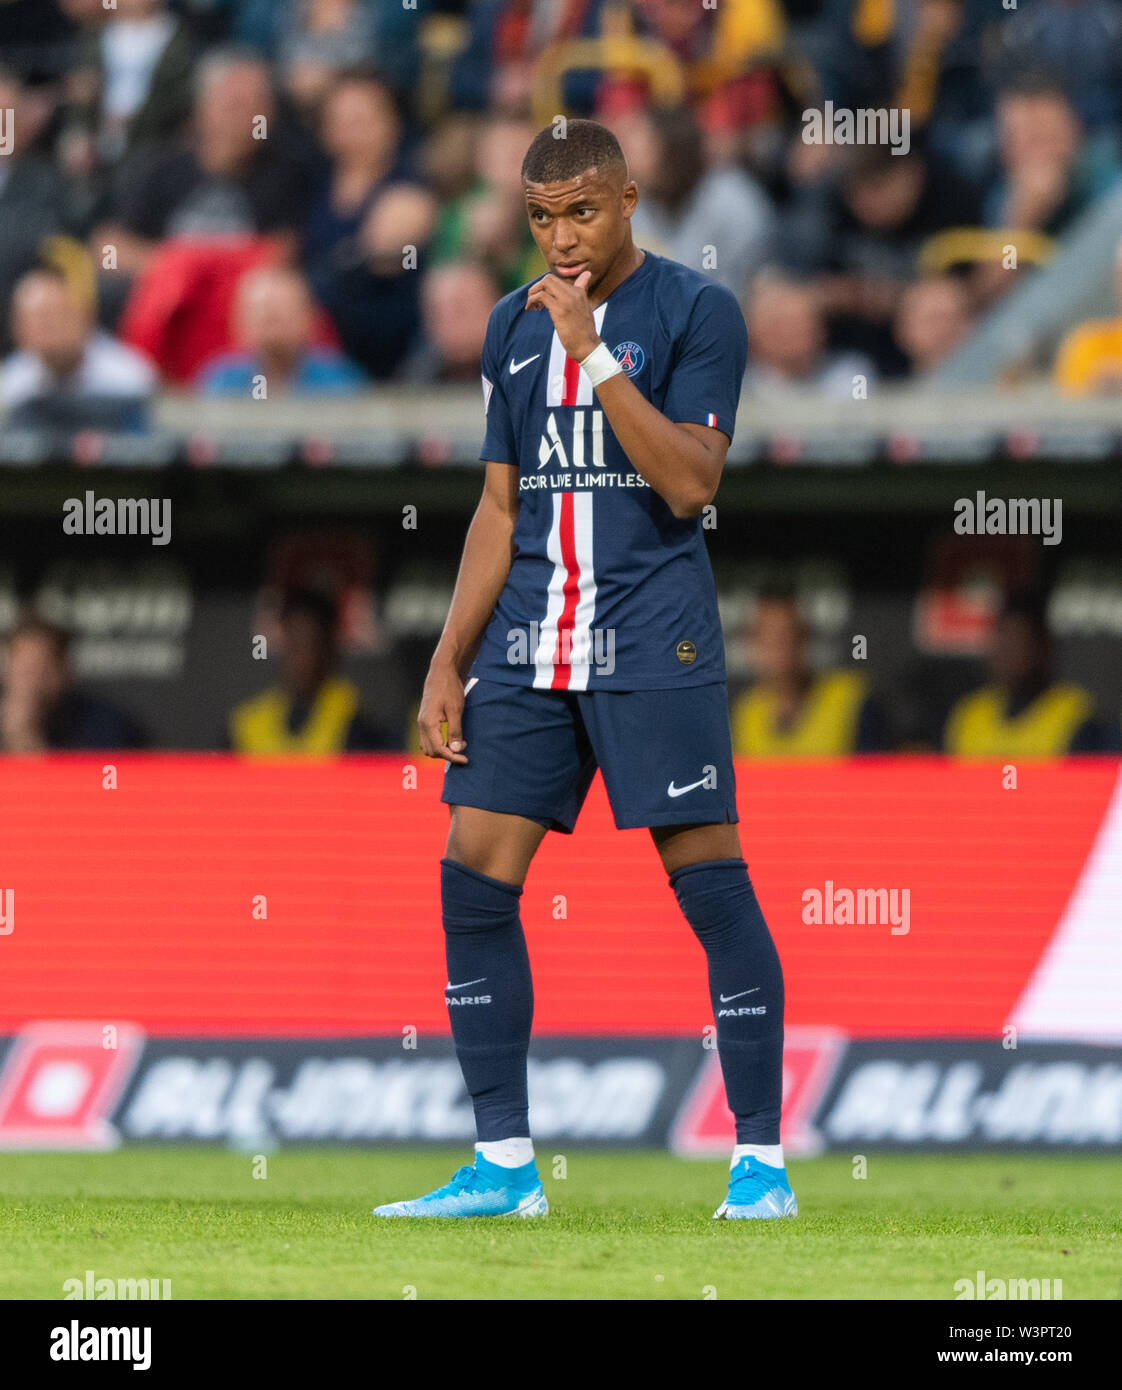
[(211, 895), (206, 897)]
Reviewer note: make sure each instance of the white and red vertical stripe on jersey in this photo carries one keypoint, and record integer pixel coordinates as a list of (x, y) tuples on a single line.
[(565, 383), (563, 657)]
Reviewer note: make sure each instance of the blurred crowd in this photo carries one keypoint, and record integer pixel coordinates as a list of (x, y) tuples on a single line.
[(792, 708), (259, 197)]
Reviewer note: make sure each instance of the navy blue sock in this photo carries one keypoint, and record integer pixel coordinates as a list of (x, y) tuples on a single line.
[(746, 989), (492, 1003)]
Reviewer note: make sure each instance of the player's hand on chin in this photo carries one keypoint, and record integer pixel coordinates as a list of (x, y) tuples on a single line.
[(442, 700), (567, 302)]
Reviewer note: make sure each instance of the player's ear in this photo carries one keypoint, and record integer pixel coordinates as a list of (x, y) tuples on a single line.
[(630, 197)]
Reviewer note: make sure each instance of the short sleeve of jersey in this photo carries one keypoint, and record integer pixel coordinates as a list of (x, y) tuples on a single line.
[(705, 383), (500, 445)]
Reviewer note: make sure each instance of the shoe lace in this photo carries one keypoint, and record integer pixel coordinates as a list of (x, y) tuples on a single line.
[(461, 1182), (751, 1185)]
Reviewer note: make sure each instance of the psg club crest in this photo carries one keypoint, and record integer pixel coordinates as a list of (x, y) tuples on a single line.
[(630, 357)]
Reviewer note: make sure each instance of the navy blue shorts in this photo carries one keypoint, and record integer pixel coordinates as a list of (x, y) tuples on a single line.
[(666, 755)]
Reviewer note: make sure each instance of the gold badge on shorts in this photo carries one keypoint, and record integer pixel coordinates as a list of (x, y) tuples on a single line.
[(687, 653)]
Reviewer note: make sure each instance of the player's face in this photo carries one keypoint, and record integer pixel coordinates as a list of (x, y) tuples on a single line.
[(581, 223)]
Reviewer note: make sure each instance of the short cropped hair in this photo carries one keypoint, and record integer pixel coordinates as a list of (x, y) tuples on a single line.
[(553, 157)]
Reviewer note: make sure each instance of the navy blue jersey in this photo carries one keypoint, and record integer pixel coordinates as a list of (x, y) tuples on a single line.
[(608, 589)]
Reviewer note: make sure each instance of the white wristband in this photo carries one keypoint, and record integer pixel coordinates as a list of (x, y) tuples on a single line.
[(600, 365)]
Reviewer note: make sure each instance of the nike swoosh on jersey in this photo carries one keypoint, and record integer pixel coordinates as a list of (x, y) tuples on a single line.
[(465, 984), (516, 367), (728, 998), (672, 790)]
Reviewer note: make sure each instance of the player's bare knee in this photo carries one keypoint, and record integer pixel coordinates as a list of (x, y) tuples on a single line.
[(500, 846), (679, 845)]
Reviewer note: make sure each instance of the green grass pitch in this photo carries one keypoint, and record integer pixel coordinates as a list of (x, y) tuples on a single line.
[(622, 1225)]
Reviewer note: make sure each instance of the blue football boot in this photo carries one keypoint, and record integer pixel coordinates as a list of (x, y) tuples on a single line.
[(483, 1190), (757, 1191)]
